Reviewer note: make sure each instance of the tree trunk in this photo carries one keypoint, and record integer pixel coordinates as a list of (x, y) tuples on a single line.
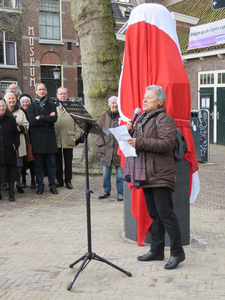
[(95, 25)]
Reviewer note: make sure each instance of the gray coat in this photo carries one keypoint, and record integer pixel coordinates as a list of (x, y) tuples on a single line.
[(108, 145)]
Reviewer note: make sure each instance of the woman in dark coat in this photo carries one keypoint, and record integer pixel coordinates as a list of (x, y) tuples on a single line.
[(22, 122), (9, 143), (154, 170)]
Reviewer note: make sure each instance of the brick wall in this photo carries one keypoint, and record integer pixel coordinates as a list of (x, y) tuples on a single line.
[(15, 73), (194, 66), (49, 54), (183, 30)]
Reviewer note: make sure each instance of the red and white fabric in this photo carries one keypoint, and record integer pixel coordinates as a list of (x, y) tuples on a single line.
[(152, 56)]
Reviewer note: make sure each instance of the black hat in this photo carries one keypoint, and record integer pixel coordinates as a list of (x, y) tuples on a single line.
[(25, 95)]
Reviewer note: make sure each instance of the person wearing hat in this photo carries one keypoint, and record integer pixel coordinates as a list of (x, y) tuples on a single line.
[(108, 147)]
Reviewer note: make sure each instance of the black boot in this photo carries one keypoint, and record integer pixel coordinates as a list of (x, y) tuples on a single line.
[(24, 183), (12, 198), (11, 192), (0, 192), (33, 184), (20, 189)]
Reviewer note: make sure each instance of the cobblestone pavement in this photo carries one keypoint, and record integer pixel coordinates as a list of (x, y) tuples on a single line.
[(42, 235)]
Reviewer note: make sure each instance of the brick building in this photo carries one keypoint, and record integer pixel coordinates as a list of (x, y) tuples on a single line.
[(48, 40), (11, 62)]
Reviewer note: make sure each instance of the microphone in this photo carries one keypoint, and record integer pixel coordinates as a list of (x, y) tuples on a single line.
[(137, 112)]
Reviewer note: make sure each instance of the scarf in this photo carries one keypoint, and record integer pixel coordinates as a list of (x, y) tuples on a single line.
[(134, 167), (41, 101)]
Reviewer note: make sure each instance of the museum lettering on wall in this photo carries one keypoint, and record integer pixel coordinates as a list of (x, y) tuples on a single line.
[(31, 45)]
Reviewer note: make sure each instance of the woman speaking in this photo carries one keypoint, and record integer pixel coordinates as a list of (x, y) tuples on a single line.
[(154, 170)]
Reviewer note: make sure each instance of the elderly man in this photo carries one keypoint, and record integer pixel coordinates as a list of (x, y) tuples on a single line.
[(42, 115), (13, 88), (67, 135), (108, 146)]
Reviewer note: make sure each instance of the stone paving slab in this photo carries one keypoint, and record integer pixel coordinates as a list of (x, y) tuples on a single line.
[(42, 235)]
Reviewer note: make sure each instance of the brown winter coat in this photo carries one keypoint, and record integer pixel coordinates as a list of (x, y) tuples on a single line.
[(158, 146), (108, 145)]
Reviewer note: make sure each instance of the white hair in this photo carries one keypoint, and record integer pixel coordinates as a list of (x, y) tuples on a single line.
[(25, 97), (18, 90), (159, 91), (111, 99), (9, 94)]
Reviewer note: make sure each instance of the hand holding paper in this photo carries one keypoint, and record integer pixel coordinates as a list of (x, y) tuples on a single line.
[(122, 135)]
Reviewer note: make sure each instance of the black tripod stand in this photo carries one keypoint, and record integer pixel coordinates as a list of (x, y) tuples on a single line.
[(85, 121)]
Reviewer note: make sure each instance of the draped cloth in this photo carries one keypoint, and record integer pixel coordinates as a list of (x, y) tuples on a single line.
[(152, 56)]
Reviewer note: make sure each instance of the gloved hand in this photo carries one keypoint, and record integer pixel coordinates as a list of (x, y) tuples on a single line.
[(81, 138)]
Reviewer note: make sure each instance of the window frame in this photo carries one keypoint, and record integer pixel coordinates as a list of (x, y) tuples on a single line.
[(4, 64), (49, 80), (8, 82), (16, 5), (50, 40)]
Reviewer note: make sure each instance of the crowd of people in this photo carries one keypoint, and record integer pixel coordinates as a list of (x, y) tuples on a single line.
[(52, 133)]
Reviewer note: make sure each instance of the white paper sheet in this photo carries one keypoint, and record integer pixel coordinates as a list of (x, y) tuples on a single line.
[(122, 135)]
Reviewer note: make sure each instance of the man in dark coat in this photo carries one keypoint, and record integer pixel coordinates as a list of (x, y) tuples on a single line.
[(42, 115)]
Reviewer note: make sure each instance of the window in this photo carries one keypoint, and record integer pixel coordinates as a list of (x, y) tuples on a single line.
[(80, 85), (69, 46), (10, 3), (205, 102), (221, 78), (207, 78), (49, 19), (5, 85), (7, 51), (47, 78)]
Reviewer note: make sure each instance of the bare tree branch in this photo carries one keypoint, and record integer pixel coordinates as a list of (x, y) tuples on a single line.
[(17, 21)]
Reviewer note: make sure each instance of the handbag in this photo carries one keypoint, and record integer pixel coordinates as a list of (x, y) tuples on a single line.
[(30, 156)]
